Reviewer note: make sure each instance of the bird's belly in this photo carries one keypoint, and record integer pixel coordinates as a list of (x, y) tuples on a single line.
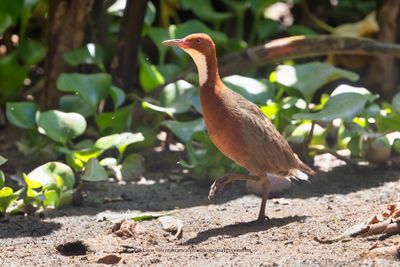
[(229, 141)]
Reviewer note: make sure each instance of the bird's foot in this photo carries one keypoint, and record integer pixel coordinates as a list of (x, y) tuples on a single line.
[(218, 185), (261, 219)]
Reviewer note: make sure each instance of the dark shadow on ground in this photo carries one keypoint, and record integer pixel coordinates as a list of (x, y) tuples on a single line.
[(26, 226), (170, 195), (343, 180), (234, 230)]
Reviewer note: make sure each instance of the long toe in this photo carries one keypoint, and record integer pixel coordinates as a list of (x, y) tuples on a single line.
[(262, 219), (218, 185)]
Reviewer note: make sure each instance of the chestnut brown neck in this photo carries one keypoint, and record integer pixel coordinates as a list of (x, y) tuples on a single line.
[(213, 79)]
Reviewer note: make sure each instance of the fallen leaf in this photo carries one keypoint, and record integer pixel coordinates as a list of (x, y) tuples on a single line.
[(172, 224), (124, 228), (133, 215)]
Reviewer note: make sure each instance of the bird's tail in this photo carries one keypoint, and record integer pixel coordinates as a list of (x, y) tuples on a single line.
[(302, 170)]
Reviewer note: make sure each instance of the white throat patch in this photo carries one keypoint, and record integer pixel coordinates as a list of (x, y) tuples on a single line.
[(201, 64)]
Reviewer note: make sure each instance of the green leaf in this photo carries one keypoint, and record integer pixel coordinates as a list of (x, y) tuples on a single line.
[(5, 22), (74, 103), (149, 76), (89, 54), (120, 141), (12, 8), (185, 130), (2, 160), (168, 71), (266, 28), (258, 6), (150, 15), (78, 158), (301, 132), (12, 76), (175, 98), (309, 77), (32, 184), (51, 198), (91, 87), (298, 29), (65, 198), (388, 123), (178, 96), (133, 215), (2, 179), (21, 114), (31, 52), (7, 196), (158, 35), (115, 122), (117, 8), (396, 102), (109, 162), (51, 173), (117, 95), (256, 91), (133, 167), (344, 106), (184, 29), (126, 139), (204, 10), (61, 126), (94, 172), (355, 146)]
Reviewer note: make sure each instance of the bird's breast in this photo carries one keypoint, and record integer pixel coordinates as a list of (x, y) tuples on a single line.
[(224, 127)]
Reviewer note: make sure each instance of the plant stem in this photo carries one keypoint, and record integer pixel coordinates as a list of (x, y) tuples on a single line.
[(319, 23)]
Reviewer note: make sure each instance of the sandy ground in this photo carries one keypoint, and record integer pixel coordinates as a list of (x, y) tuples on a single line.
[(216, 233)]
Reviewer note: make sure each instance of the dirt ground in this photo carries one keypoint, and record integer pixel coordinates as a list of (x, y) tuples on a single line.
[(216, 233)]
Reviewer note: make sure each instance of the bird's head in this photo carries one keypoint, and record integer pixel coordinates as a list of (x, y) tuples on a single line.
[(201, 48), (197, 42)]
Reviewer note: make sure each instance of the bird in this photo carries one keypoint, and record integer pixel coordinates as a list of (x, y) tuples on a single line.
[(237, 127)]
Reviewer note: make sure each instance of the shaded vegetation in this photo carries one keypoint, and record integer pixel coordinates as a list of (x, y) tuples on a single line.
[(94, 104)]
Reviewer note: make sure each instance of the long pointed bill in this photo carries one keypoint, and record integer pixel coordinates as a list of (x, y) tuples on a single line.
[(175, 42)]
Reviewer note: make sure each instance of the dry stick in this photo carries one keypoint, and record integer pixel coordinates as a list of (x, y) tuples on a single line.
[(302, 47), (294, 47)]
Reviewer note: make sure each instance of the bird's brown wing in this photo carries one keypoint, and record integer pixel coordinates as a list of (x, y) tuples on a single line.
[(267, 150)]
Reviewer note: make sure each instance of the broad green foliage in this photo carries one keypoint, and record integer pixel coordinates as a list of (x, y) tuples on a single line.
[(204, 10), (302, 77), (91, 87), (89, 54), (149, 76), (49, 185), (93, 126), (22, 114), (7, 195), (14, 67), (115, 122), (94, 172), (51, 174), (120, 141), (257, 91), (175, 98), (60, 126), (185, 130), (342, 106), (74, 103)]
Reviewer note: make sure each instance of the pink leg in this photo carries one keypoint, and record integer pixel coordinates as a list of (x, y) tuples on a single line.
[(265, 192)]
